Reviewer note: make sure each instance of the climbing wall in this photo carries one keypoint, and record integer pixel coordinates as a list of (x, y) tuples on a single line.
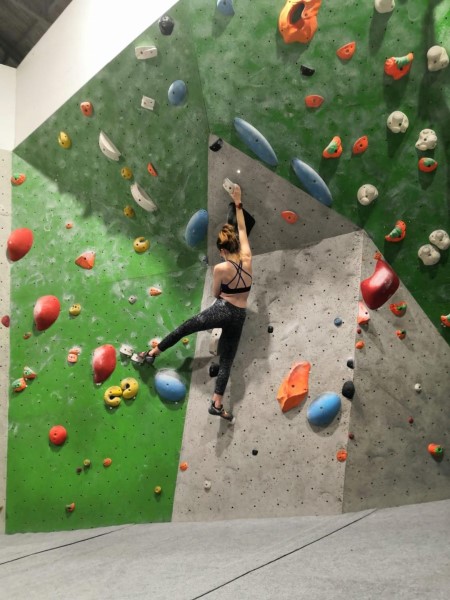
[(73, 200), (247, 71)]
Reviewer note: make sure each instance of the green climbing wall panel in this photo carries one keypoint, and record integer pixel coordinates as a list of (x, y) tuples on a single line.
[(81, 186)]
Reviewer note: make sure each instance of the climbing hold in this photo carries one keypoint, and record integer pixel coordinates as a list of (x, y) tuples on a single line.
[(46, 311), (398, 66), (157, 490), (6, 321), (151, 169), (78, 470), (380, 286), (410, 420), (183, 466), (255, 452), (213, 370), (113, 396), (28, 373), (75, 310), (214, 340), (401, 334), (398, 233), (307, 71), (169, 386), (154, 291), (140, 245), (137, 359), (130, 388), (437, 58), (366, 194), (358, 330), (147, 103), (126, 173), (126, 350), (427, 165), (440, 238), (18, 385), (360, 145), (166, 25), (351, 436), (19, 243), (348, 390), (398, 308), (350, 363), (397, 122), (418, 388), (27, 335), (363, 314), (128, 211), (225, 7), (445, 320), (360, 345), (107, 147), (312, 182), (270, 329), (69, 225), (338, 321), (103, 362), (289, 216), (64, 140), (334, 148), (70, 507), (384, 6), (107, 462), (294, 387), (341, 455), (57, 435), (322, 411), (429, 255), (177, 92), (185, 341), (217, 145), (145, 52), (427, 140), (314, 101), (18, 179), (197, 228), (207, 484), (347, 51), (142, 198), (298, 20), (86, 108), (132, 299), (86, 463), (72, 356), (86, 260), (436, 451), (255, 141)]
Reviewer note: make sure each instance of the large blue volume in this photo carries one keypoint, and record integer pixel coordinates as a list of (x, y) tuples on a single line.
[(169, 386), (324, 409), (255, 141), (197, 228), (312, 182), (177, 92)]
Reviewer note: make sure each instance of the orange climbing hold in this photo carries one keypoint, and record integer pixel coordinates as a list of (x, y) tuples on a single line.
[(151, 169), (445, 320), (334, 148), (86, 260), (398, 233), (290, 216), (341, 455), (401, 334), (298, 20), (314, 101), (153, 291), (183, 466), (427, 165), (359, 345), (398, 67), (398, 308), (363, 314), (361, 145), (436, 450), (107, 462), (294, 387), (347, 51)]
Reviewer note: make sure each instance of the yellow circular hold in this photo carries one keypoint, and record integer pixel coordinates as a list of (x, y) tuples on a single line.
[(140, 245), (126, 173), (64, 140), (113, 396), (128, 211), (75, 310), (185, 341), (86, 463), (130, 388), (157, 490)]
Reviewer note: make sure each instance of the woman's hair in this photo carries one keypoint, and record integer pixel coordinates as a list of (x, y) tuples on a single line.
[(228, 239)]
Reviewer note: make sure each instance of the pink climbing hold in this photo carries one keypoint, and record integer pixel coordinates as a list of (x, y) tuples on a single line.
[(19, 243), (46, 311), (380, 286), (363, 314), (103, 362)]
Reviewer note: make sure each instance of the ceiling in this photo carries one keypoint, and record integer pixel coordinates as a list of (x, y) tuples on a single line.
[(22, 24)]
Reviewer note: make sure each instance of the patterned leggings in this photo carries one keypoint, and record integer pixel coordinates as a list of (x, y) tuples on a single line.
[(221, 314)]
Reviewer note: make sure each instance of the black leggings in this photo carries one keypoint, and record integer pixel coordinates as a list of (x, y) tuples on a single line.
[(221, 314)]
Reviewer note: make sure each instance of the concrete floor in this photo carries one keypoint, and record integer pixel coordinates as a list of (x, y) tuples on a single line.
[(395, 554)]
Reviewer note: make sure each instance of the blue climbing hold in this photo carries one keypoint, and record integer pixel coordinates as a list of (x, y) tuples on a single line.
[(197, 228), (338, 321), (324, 409), (312, 182), (255, 141), (169, 386), (177, 92), (225, 7)]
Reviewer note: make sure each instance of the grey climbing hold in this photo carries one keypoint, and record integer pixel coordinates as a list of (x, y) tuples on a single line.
[(166, 25)]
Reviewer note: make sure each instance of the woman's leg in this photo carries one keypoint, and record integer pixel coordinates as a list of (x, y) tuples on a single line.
[(228, 345)]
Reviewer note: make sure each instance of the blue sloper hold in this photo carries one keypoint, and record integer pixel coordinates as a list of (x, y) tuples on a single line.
[(324, 409), (312, 182), (255, 141), (177, 92), (169, 386), (197, 228), (225, 7)]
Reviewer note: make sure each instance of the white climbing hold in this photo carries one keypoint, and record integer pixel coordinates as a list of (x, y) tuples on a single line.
[(427, 140), (144, 52), (440, 238), (437, 58), (142, 198), (429, 255), (107, 147), (214, 340), (384, 6), (367, 193), (418, 388), (147, 103), (398, 122)]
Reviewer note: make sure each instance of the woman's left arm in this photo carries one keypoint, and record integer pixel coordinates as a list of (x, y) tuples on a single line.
[(217, 281)]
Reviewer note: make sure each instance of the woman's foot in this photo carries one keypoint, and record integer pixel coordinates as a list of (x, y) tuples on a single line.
[(219, 411)]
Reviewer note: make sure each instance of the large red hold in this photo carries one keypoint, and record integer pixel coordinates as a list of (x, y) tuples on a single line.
[(379, 287), (103, 362), (46, 311), (19, 243)]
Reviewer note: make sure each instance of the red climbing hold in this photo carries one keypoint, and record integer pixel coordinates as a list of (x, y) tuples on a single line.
[(334, 148), (6, 321), (289, 216), (398, 233), (361, 145), (398, 308), (86, 260), (57, 435), (151, 169), (86, 108), (398, 67), (294, 387), (427, 165), (19, 243), (436, 451), (103, 362), (313, 101), (380, 286), (46, 311), (445, 320), (347, 51), (18, 179)]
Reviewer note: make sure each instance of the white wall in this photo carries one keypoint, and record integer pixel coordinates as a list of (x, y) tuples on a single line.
[(7, 107), (86, 37)]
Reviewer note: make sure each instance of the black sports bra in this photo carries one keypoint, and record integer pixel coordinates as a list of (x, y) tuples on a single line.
[(225, 287)]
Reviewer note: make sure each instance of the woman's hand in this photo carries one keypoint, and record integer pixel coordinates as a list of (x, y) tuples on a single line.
[(236, 194)]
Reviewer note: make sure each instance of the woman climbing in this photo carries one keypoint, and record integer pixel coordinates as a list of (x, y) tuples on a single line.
[(232, 280)]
